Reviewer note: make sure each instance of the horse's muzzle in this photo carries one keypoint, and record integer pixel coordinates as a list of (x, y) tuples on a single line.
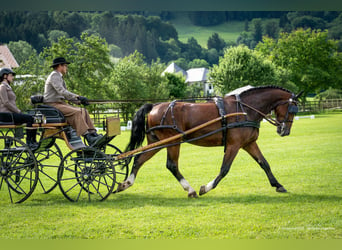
[(283, 130)]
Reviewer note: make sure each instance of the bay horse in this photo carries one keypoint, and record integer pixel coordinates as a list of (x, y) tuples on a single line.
[(168, 119)]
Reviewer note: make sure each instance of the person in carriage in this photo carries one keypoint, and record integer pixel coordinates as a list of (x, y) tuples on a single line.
[(56, 95), (9, 110)]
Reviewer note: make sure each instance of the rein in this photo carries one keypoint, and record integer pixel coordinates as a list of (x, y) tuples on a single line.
[(291, 109), (266, 117)]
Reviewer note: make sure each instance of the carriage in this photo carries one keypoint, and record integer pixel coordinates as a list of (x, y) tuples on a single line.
[(94, 172), (85, 172)]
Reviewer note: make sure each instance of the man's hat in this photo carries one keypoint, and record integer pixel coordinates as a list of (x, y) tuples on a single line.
[(59, 60)]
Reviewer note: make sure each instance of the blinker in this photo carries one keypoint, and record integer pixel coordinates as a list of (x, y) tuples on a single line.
[(293, 109)]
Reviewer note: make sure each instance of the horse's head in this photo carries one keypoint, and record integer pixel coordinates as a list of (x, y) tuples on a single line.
[(285, 112)]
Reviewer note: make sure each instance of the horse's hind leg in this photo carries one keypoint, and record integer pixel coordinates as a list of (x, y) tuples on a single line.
[(255, 152), (229, 156), (172, 165)]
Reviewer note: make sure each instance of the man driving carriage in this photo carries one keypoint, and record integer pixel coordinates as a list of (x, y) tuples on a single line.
[(56, 95)]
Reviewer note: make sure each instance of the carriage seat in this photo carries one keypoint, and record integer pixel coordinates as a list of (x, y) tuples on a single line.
[(6, 116), (51, 114)]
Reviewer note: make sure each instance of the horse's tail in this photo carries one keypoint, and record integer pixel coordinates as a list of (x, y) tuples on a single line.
[(138, 127)]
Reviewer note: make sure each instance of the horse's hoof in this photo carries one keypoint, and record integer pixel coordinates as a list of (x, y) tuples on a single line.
[(202, 190), (121, 187), (193, 195), (281, 190)]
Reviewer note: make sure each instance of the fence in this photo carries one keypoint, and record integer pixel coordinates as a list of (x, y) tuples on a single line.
[(100, 109), (320, 106)]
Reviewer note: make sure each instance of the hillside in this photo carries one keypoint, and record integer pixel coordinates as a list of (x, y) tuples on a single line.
[(229, 31)]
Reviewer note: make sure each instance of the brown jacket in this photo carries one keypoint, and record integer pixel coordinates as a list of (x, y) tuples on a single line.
[(7, 99), (55, 89)]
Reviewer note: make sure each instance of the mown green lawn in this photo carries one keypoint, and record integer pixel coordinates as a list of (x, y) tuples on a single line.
[(244, 206)]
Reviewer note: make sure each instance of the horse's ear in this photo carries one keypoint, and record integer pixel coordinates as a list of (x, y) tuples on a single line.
[(298, 95)]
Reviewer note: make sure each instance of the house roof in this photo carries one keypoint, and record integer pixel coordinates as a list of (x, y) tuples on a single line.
[(197, 75), (6, 58), (192, 75), (174, 68)]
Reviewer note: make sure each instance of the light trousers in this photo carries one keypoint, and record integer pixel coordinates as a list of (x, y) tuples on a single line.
[(77, 117)]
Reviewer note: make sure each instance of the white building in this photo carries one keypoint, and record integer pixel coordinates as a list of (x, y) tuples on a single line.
[(193, 76), (200, 76)]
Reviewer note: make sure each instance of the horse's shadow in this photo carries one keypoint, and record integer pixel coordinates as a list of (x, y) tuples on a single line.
[(133, 200), (137, 200)]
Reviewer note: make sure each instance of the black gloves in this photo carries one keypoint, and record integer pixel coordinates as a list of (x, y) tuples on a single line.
[(83, 100)]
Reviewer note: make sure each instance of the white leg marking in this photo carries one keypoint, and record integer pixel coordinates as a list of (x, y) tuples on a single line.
[(185, 184), (209, 186), (130, 180)]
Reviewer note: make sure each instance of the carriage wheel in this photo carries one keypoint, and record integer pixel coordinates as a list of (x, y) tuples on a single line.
[(121, 167), (86, 174), (18, 169), (48, 161)]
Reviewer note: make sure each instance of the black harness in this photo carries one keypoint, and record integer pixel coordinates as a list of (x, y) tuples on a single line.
[(224, 123)]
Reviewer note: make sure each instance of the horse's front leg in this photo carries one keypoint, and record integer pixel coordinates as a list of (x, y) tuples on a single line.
[(172, 165), (228, 158), (255, 152)]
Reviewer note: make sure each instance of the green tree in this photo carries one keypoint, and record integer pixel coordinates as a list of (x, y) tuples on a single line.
[(88, 72), (133, 79), (212, 56), (156, 84), (257, 30), (193, 49), (194, 90), (114, 50), (241, 66), (90, 64), (271, 28), (21, 51), (198, 63), (311, 59), (71, 22), (244, 38), (54, 35), (335, 28), (182, 62), (308, 22), (177, 86), (29, 81), (216, 42)]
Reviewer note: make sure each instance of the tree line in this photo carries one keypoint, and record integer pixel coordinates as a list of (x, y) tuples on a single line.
[(301, 60), (154, 36)]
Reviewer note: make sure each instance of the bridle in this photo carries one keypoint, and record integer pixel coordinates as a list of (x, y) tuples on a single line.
[(291, 109)]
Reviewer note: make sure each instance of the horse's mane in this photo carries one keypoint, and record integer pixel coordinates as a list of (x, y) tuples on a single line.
[(250, 91)]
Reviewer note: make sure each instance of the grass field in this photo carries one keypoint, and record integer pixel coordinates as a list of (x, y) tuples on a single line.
[(243, 206), (228, 31)]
